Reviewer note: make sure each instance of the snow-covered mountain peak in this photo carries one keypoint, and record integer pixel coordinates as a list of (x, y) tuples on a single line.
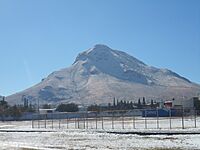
[(123, 66), (104, 54), (101, 47), (99, 51), (112, 62), (101, 73)]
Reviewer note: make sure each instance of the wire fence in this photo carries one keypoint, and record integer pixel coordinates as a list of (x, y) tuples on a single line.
[(121, 119)]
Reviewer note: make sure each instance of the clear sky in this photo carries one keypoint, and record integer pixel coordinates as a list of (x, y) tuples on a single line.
[(38, 37)]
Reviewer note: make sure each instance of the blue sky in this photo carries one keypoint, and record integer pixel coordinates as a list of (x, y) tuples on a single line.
[(38, 37)]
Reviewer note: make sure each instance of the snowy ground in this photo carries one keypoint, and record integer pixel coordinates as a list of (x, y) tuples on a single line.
[(92, 138)]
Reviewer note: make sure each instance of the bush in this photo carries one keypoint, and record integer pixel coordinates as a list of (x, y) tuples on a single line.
[(71, 107), (15, 112), (94, 108)]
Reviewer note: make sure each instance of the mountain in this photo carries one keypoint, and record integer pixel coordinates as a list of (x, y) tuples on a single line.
[(100, 74)]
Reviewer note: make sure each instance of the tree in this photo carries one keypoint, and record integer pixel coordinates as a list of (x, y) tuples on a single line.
[(196, 103), (3, 108), (114, 104), (143, 101), (117, 102), (124, 102), (46, 106), (109, 106), (4, 103), (71, 107), (152, 104), (15, 112), (131, 105), (139, 103)]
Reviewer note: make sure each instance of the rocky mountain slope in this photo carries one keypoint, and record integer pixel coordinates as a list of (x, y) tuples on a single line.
[(101, 73)]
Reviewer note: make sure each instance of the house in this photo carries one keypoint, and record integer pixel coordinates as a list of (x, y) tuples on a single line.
[(47, 111), (183, 103), (168, 104)]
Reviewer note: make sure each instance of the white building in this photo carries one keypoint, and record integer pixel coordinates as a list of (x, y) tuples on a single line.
[(47, 111), (185, 103)]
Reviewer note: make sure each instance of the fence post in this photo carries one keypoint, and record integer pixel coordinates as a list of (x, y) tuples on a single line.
[(96, 120), (145, 114), (45, 119), (112, 119), (38, 121), (87, 120), (102, 122), (32, 122), (133, 121), (84, 117), (67, 121), (183, 118), (75, 122), (170, 118), (78, 119), (157, 118), (195, 118), (52, 121), (122, 120), (59, 123)]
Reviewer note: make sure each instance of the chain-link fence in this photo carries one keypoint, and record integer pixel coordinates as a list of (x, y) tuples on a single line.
[(121, 119)]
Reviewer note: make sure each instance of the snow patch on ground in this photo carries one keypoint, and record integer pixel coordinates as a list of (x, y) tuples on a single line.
[(91, 138)]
